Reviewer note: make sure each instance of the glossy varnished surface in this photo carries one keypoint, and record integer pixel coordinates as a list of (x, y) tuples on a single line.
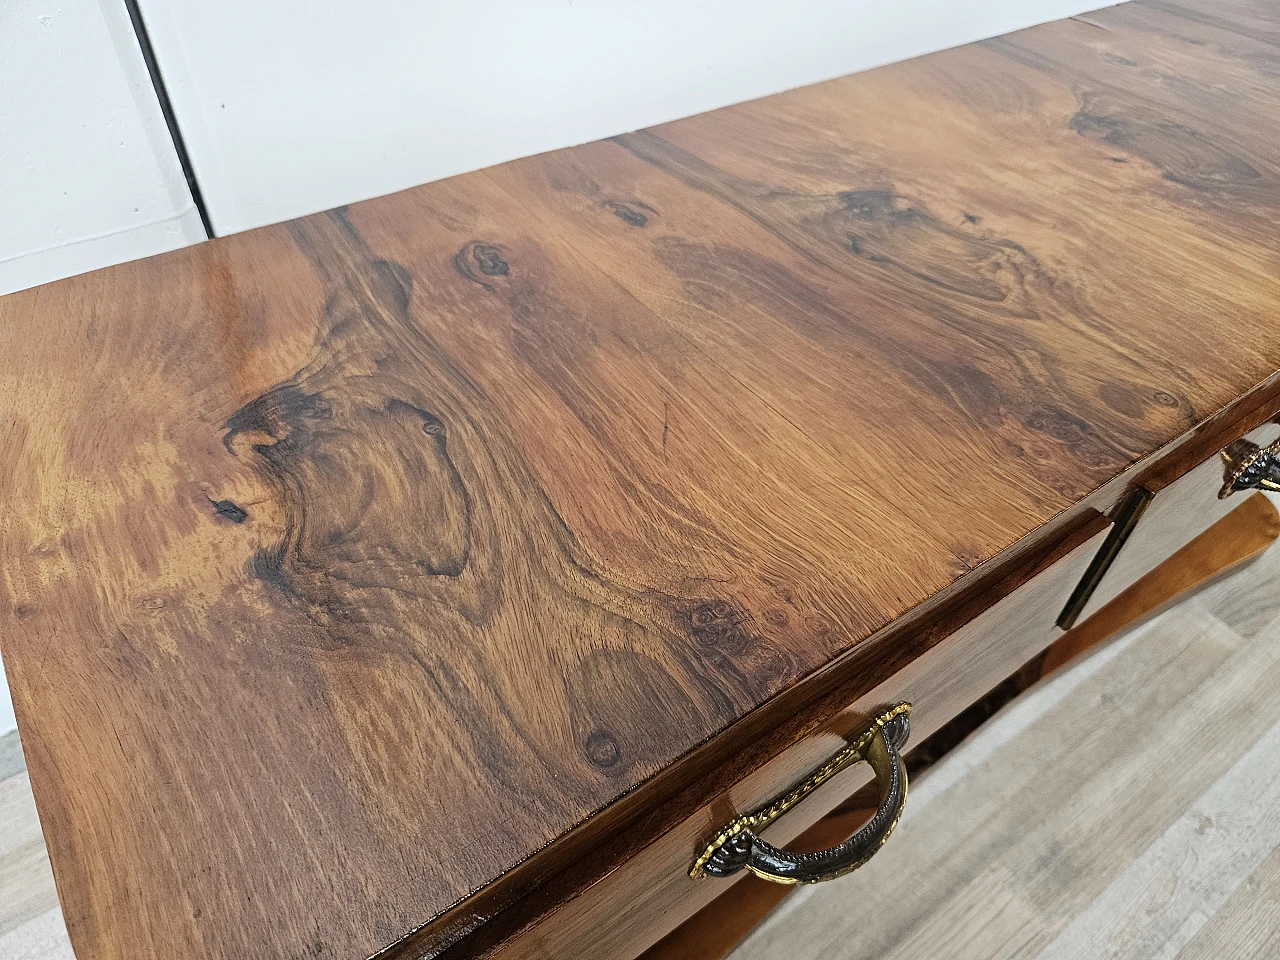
[(349, 563)]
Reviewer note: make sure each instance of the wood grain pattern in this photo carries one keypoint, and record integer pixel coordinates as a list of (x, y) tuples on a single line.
[(646, 894), (835, 180), (424, 538)]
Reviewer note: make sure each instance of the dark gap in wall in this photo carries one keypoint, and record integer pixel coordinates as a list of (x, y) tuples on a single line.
[(166, 107)]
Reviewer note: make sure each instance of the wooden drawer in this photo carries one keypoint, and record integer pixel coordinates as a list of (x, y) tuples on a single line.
[(646, 897), (1178, 514)]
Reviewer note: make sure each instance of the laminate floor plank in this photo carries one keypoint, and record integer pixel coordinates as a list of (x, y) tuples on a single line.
[(1168, 894), (1125, 808), (42, 938), (18, 817), (11, 759), (1037, 840), (1249, 603), (26, 880), (26, 885), (1247, 925)]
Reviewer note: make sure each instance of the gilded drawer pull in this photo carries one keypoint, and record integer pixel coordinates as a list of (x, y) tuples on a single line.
[(739, 845), (1250, 467)]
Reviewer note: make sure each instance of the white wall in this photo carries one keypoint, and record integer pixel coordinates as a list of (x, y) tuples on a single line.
[(88, 174), (292, 106)]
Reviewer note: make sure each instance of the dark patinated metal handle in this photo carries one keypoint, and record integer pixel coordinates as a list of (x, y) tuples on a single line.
[(1250, 467), (739, 844)]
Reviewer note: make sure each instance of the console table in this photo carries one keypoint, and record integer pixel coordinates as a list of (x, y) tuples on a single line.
[(504, 567)]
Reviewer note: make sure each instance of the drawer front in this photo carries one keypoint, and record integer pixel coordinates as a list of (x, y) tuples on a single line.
[(648, 896), (1177, 515)]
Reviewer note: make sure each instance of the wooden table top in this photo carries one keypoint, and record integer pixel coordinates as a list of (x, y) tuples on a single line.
[(348, 563)]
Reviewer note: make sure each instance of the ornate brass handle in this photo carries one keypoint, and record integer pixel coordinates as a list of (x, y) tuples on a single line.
[(739, 845), (1250, 467)]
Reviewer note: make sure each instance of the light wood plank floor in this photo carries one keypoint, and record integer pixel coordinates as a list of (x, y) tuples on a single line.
[(30, 921), (1127, 808)]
